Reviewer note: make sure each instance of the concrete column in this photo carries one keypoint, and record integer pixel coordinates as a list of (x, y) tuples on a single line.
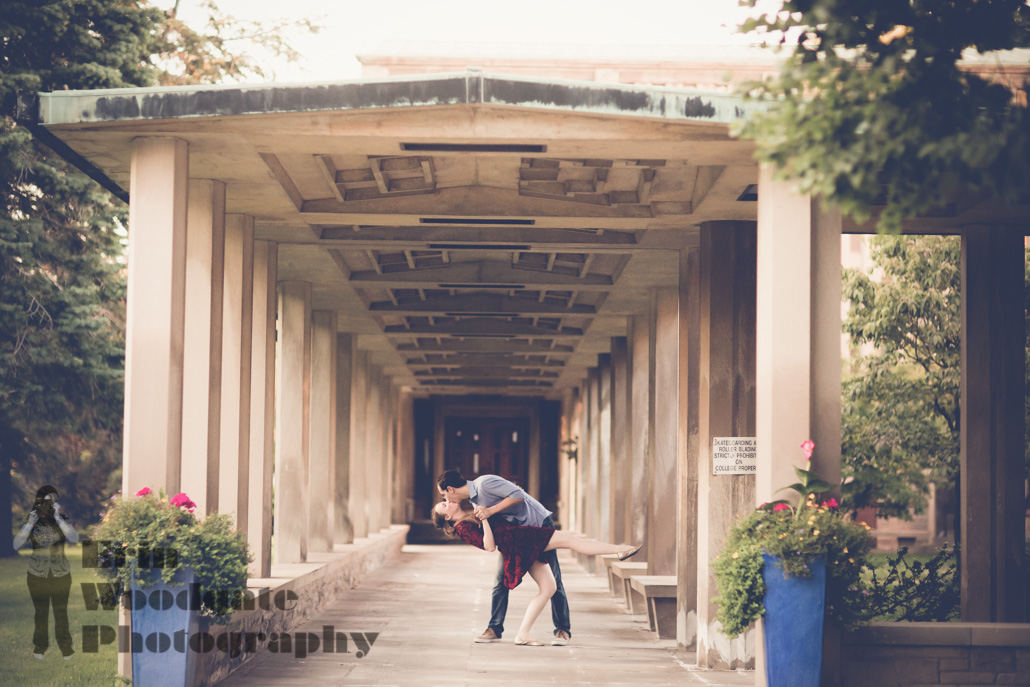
[(202, 347), (661, 550), (585, 452), (618, 492), (262, 407), (322, 431), (387, 432), (155, 310), (640, 430), (358, 439), (374, 451), (726, 408), (533, 457), (567, 468), (343, 529), (292, 411), (237, 331), (993, 567), (797, 348), (592, 488), (687, 498), (604, 446), (404, 480)]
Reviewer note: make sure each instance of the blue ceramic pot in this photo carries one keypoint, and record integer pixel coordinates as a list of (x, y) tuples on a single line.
[(161, 632), (793, 624)]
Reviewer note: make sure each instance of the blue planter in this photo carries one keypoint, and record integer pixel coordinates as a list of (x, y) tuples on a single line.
[(793, 624), (161, 653)]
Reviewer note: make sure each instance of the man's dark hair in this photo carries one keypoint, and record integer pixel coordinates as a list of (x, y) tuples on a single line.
[(451, 478)]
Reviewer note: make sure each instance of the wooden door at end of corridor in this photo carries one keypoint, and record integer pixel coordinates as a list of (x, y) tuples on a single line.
[(488, 446)]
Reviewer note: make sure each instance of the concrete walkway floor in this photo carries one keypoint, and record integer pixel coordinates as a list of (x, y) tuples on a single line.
[(428, 607)]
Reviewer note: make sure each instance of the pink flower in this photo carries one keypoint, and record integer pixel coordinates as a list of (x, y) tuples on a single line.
[(808, 446), (183, 501), (143, 492), (831, 502), (781, 506)]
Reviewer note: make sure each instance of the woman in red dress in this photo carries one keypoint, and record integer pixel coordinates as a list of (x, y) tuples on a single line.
[(521, 547)]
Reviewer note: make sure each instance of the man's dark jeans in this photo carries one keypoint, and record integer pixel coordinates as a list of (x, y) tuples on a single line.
[(559, 602)]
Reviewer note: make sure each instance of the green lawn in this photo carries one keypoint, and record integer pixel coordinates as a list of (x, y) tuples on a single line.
[(17, 665)]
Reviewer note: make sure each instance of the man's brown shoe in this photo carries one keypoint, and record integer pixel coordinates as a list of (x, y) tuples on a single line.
[(488, 636), (561, 638)]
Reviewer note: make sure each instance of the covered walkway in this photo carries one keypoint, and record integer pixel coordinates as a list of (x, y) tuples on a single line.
[(429, 605)]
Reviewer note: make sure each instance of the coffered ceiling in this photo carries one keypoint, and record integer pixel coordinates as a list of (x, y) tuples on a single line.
[(488, 241)]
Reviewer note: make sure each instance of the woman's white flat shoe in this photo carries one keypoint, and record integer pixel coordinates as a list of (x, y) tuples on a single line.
[(629, 553), (527, 642)]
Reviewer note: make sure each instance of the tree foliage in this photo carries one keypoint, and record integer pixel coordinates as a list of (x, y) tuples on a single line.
[(63, 238), (901, 405), (873, 108)]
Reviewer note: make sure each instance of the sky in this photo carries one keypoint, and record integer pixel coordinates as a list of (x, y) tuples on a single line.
[(353, 27)]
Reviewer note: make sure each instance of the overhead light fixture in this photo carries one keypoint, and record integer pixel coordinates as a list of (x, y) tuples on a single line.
[(481, 286), (478, 246), (505, 222), (473, 147)]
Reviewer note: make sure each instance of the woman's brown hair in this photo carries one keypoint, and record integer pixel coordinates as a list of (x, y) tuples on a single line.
[(443, 523)]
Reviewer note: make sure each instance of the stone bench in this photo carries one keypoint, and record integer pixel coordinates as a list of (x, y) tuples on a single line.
[(660, 594), (622, 571), (604, 562)]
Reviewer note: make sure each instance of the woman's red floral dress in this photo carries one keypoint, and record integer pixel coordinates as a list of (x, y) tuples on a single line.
[(520, 546)]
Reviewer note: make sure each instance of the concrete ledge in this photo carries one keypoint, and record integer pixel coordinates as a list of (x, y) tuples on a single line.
[(911, 654), (660, 593), (636, 603), (614, 584), (940, 634), (314, 584)]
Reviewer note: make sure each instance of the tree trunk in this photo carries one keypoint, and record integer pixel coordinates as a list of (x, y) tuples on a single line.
[(9, 446)]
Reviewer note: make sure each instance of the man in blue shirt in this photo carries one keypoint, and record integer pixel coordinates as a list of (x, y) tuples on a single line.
[(493, 495)]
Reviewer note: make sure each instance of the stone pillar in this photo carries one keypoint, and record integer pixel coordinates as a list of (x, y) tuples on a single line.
[(604, 446), (993, 567), (586, 448), (726, 408), (593, 485), (322, 431), (797, 348), (388, 454), (687, 499), (374, 451), (237, 325), (533, 452), (567, 468), (358, 441), (202, 352), (293, 410), (262, 407), (661, 548), (155, 310), (640, 430), (404, 479), (619, 492), (343, 529)]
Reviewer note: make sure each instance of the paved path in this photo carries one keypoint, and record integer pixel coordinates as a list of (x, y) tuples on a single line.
[(428, 607)]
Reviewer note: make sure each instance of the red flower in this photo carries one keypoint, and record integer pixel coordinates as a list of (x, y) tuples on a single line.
[(143, 492), (808, 446), (781, 506), (183, 501), (831, 502)]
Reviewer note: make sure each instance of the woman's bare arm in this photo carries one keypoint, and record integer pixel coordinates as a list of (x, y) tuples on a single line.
[(488, 537)]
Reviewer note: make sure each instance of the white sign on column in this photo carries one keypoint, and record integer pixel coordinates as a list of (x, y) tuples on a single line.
[(734, 455)]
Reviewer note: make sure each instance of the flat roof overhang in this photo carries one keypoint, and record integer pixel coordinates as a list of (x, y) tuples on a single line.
[(457, 223)]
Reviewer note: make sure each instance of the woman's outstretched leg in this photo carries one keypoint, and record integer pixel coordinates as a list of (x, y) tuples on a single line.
[(562, 539), (546, 586)]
